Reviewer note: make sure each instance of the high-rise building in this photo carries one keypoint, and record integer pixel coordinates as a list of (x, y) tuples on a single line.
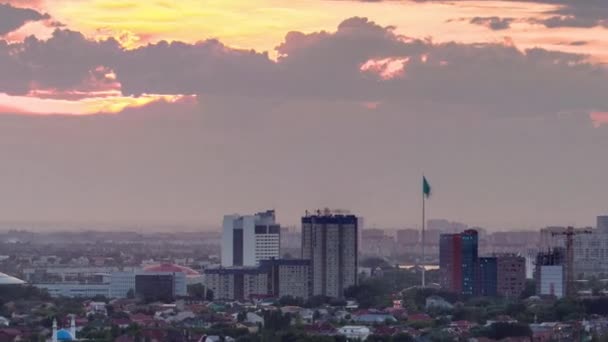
[(458, 261), (602, 223), (487, 277), (450, 261), (330, 242), (470, 242), (248, 239), (511, 275)]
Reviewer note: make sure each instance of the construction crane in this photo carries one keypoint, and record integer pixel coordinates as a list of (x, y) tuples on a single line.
[(569, 233)]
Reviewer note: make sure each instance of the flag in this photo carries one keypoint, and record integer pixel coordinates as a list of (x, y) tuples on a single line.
[(426, 187)]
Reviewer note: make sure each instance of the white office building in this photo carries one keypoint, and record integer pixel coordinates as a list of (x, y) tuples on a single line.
[(117, 285), (248, 239)]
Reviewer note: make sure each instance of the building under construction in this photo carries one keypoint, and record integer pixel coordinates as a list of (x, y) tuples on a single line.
[(550, 272)]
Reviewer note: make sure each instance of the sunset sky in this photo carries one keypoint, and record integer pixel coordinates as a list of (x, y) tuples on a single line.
[(182, 111)]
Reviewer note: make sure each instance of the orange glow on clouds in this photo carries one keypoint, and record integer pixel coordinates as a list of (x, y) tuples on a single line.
[(262, 24), (386, 68), (110, 104)]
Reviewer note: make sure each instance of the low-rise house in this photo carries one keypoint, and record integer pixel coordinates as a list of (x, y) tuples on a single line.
[(254, 318), (419, 317), (552, 331), (122, 323), (320, 329), (374, 318), (307, 315), (4, 322), (10, 335), (355, 332)]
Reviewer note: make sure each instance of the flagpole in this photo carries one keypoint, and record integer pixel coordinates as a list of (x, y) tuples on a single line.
[(423, 238)]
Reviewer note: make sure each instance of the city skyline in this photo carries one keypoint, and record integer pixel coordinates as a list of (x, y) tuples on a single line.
[(302, 105)]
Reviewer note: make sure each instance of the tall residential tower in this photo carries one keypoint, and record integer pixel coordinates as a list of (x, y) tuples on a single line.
[(329, 241)]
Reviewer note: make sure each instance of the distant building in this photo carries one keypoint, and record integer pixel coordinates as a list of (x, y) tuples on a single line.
[(487, 277), (288, 277), (458, 257), (590, 251), (463, 271), (248, 239), (450, 261), (408, 237), (155, 287), (470, 244), (330, 242), (117, 285), (552, 280), (376, 242), (511, 275), (549, 273), (75, 290), (237, 283)]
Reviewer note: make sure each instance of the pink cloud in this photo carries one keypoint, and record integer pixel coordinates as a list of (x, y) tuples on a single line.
[(386, 68), (599, 118)]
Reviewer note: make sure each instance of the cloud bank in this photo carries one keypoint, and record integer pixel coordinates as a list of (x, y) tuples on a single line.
[(12, 18), (359, 62)]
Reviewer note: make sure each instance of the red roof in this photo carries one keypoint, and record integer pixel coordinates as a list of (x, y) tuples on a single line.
[(419, 317), (171, 268)]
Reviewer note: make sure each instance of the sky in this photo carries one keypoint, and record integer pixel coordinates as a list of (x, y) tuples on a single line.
[(178, 112)]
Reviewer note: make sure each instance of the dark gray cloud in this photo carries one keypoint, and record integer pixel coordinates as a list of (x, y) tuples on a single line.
[(489, 78), (493, 23), (584, 14), (571, 13), (12, 18)]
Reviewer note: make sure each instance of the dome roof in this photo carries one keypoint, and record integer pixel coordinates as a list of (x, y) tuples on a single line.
[(64, 335), (171, 268), (5, 279)]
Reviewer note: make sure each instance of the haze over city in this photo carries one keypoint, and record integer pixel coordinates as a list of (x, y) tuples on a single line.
[(180, 112)]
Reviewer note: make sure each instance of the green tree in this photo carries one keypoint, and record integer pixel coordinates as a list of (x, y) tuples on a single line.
[(402, 337), (502, 330)]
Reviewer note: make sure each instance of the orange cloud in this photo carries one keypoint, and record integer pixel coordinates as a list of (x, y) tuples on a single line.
[(386, 68), (112, 104)]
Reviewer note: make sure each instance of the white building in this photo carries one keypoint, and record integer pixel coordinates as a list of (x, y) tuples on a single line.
[(552, 280), (355, 332), (118, 285), (76, 290), (5, 279), (248, 239)]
